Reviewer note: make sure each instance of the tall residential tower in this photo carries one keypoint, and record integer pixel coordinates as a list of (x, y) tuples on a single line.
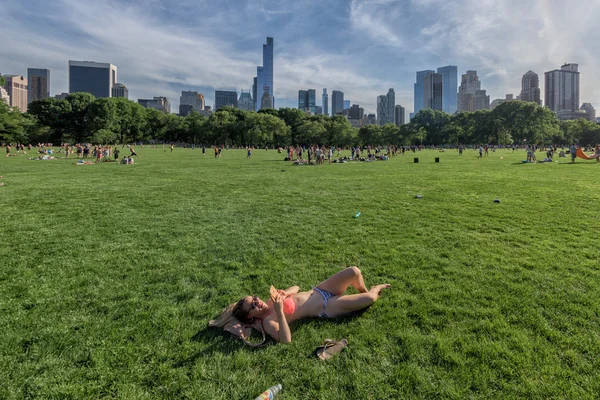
[(39, 84), (337, 102), (562, 88), (264, 74), (530, 88), (325, 102)]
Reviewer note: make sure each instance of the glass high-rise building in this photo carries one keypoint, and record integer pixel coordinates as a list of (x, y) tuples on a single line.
[(225, 98), (39, 84), (449, 88), (337, 102), (307, 100), (325, 102), (419, 89), (264, 73), (92, 77), (433, 91)]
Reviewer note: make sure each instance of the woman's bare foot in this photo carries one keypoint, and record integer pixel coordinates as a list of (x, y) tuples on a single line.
[(378, 288)]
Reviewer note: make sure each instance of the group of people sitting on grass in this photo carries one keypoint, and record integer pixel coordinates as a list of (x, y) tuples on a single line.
[(316, 155)]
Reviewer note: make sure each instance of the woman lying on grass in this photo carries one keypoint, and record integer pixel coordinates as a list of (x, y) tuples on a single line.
[(326, 300)]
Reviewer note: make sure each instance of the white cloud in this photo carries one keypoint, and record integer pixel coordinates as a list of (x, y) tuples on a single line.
[(502, 39), (376, 44)]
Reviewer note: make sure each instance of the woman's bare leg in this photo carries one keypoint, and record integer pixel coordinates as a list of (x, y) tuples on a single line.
[(341, 305), (338, 283)]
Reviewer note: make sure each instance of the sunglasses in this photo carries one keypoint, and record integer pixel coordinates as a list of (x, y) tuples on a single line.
[(254, 302)]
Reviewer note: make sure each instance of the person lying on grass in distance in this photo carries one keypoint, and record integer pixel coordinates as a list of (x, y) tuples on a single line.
[(326, 300)]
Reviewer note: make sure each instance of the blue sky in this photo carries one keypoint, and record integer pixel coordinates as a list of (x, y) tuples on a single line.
[(361, 47)]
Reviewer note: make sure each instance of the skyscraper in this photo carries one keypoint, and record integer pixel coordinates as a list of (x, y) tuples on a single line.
[(386, 105), (433, 91), (419, 89), (449, 88), (193, 99), (381, 110), (470, 96), (254, 91), (264, 73), (92, 77), (158, 103), (589, 110), (530, 88), (356, 112), (225, 98), (16, 87), (266, 101), (346, 104), (307, 100), (39, 84), (245, 102), (325, 102), (562, 88), (391, 106), (120, 90), (337, 102), (399, 115)]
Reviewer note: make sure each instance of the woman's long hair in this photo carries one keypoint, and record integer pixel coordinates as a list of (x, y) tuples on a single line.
[(237, 328)]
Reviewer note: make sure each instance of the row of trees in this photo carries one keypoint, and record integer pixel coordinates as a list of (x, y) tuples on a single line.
[(82, 118)]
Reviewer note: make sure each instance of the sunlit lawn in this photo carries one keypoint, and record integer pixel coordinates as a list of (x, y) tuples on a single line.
[(109, 274)]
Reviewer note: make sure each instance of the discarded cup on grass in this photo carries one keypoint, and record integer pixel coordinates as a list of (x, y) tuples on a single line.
[(418, 196), (357, 214), (496, 200)]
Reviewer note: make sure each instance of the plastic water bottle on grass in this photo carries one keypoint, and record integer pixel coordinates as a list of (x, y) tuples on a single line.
[(270, 393)]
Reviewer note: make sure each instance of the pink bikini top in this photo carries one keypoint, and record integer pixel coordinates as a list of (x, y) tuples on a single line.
[(289, 306)]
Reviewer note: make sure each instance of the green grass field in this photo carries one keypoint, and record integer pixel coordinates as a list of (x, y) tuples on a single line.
[(109, 275)]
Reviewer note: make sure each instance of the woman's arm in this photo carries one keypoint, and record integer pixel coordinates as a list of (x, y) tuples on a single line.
[(279, 330), (291, 291)]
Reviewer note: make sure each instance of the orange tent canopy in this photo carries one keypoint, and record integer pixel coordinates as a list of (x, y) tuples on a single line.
[(584, 156)]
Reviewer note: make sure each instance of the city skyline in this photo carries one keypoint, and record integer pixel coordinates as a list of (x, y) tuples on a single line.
[(157, 50)]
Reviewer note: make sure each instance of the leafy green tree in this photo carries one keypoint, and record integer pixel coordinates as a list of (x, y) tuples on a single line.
[(370, 135), (102, 115), (270, 111), (582, 131), (389, 133), (104, 136), (2, 81), (12, 123), (51, 113), (156, 124), (406, 134), (311, 132), (339, 131), (76, 120), (176, 128), (219, 126), (196, 128), (525, 121), (433, 122)]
